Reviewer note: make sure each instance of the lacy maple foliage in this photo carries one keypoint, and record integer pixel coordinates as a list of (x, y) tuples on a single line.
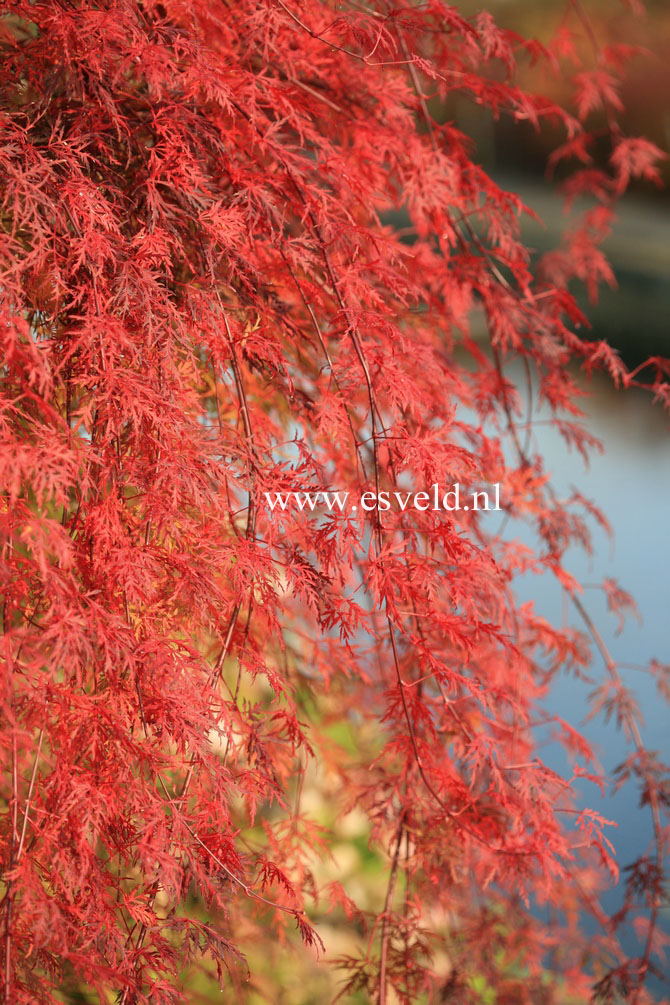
[(204, 301)]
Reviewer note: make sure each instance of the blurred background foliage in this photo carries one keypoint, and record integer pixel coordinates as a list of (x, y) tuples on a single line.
[(634, 317)]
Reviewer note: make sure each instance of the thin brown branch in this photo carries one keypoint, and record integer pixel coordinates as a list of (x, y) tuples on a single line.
[(384, 941)]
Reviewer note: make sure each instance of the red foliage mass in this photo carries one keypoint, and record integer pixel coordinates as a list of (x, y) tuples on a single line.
[(202, 303)]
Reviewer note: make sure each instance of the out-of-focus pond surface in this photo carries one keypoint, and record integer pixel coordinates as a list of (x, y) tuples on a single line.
[(630, 482)]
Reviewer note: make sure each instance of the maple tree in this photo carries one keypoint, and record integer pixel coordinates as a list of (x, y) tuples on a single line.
[(202, 302)]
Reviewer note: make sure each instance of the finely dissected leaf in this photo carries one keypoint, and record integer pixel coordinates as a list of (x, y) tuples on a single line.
[(204, 305)]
